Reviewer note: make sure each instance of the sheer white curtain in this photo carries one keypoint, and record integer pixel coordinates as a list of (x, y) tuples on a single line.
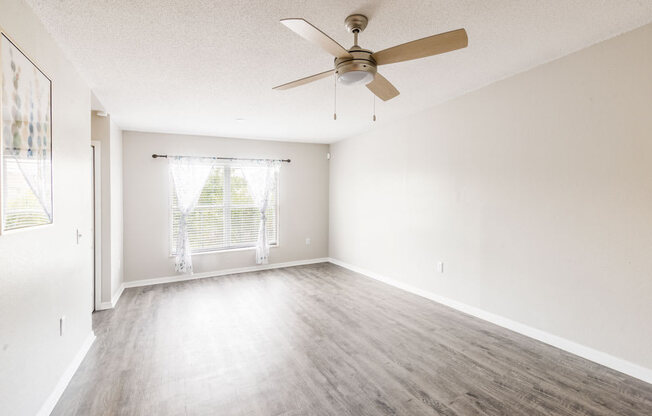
[(188, 176), (261, 178)]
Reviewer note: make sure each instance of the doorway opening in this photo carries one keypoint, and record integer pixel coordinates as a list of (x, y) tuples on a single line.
[(97, 223)]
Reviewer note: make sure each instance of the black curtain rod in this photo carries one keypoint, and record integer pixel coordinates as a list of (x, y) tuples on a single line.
[(155, 156)]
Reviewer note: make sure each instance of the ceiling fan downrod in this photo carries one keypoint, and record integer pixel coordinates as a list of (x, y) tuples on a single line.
[(355, 24)]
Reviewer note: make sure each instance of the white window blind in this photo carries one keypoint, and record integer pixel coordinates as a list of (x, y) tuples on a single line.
[(20, 206), (226, 216)]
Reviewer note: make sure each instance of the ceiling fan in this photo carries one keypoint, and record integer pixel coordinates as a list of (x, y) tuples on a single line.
[(359, 66)]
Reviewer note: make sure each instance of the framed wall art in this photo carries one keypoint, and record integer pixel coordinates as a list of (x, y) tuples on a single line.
[(26, 138)]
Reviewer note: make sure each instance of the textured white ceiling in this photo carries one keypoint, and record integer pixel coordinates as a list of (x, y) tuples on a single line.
[(195, 66)]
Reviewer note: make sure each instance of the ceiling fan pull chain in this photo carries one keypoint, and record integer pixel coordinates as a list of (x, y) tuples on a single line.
[(335, 98), (374, 106)]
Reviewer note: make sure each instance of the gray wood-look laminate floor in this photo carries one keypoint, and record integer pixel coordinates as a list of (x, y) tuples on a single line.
[(321, 340)]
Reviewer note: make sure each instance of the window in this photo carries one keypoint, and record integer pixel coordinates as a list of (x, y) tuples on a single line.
[(225, 216)]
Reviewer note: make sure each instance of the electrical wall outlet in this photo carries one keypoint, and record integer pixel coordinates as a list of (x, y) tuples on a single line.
[(440, 267), (307, 241), (62, 325)]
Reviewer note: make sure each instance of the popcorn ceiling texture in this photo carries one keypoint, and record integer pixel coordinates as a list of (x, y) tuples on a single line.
[(194, 66)]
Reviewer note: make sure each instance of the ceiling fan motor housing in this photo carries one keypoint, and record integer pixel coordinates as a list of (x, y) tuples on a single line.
[(358, 69)]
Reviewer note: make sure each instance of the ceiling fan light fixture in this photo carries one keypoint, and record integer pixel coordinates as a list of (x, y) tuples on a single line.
[(357, 65), (355, 77)]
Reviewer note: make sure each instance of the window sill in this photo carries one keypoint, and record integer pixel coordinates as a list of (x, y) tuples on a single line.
[(229, 250)]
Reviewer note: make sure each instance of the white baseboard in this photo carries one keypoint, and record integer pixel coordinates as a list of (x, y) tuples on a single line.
[(53, 398), (114, 300), (185, 277), (104, 306), (583, 351)]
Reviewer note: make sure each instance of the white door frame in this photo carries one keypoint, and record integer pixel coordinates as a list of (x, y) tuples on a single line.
[(97, 221)]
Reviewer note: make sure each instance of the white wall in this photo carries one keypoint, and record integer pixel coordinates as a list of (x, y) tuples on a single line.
[(44, 273), (303, 201), (535, 192), (107, 132)]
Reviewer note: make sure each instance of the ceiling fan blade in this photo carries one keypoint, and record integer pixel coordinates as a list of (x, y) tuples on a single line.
[(309, 32), (382, 88), (305, 80), (432, 45)]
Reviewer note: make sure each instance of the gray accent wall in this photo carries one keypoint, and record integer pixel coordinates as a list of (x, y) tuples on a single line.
[(535, 193), (303, 202)]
